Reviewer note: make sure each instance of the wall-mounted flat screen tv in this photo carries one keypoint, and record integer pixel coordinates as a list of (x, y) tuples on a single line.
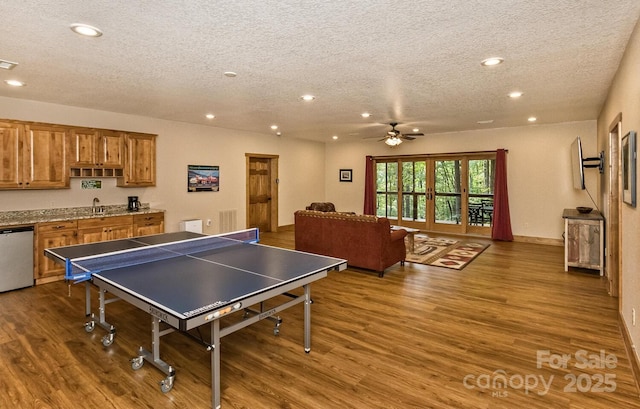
[(577, 164)]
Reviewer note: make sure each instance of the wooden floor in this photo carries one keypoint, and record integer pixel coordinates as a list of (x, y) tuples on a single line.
[(421, 337)]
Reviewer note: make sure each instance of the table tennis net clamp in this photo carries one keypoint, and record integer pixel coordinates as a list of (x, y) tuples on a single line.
[(82, 269)]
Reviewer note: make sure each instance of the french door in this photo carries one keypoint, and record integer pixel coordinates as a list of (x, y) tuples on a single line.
[(451, 194)]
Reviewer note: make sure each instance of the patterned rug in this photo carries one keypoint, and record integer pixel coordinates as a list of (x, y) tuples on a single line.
[(442, 252)]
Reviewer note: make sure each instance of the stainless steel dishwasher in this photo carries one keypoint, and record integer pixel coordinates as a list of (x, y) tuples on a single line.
[(16, 258)]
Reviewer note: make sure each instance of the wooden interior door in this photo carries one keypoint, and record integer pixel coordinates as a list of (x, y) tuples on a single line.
[(262, 192), (612, 211)]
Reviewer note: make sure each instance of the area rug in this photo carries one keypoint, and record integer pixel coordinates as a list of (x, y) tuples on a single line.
[(443, 252)]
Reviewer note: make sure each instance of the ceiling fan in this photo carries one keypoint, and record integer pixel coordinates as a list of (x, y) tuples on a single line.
[(395, 137)]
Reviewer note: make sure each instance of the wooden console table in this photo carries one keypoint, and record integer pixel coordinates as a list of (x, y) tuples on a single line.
[(583, 240)]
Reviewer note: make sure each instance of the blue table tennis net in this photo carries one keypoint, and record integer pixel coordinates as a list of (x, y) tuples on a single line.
[(81, 269)]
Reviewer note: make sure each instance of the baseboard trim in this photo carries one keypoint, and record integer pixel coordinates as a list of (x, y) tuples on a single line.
[(631, 352), (539, 240)]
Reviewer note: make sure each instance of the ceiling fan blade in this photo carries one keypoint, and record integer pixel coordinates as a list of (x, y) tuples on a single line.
[(413, 134), (408, 138)]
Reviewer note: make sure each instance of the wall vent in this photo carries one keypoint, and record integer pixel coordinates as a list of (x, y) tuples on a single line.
[(228, 220)]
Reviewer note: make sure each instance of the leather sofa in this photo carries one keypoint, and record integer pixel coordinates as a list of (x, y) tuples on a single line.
[(364, 241)]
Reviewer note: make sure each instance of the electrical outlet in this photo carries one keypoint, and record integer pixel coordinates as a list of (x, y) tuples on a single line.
[(208, 222), (633, 317)]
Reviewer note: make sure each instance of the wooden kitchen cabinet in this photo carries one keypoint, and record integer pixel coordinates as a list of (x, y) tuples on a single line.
[(81, 231), (92, 148), (139, 160), (148, 223), (33, 156), (53, 234), (104, 228)]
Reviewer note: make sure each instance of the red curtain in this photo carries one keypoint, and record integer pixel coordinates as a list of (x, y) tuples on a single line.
[(501, 229), (369, 187)]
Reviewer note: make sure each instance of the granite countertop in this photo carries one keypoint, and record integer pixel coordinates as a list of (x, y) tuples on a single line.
[(26, 217)]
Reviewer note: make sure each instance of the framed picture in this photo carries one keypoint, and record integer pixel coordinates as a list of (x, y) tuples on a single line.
[(629, 168), (203, 178), (346, 175)]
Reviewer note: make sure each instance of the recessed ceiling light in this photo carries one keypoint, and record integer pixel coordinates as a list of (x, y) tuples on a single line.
[(515, 94), (274, 127), (85, 30), (532, 119), (486, 121), (492, 61), (365, 115), (334, 137), (230, 74), (308, 97), (7, 65), (279, 133), (15, 83), (210, 116), (416, 130)]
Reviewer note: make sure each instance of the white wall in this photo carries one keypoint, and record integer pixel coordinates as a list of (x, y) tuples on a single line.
[(178, 145), (539, 169), (624, 97)]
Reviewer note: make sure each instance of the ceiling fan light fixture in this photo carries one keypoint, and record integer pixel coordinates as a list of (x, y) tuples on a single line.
[(365, 115), (393, 141)]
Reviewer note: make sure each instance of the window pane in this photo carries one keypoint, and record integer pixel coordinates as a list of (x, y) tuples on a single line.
[(420, 174), (421, 208), (407, 207), (392, 177), (407, 177), (447, 209), (448, 176), (481, 178), (381, 204), (392, 206)]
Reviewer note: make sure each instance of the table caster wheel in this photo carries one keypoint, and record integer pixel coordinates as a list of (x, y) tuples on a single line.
[(136, 363), (107, 340), (166, 385), (276, 331), (90, 326)]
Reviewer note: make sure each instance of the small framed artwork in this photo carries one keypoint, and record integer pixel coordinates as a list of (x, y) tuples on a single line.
[(346, 175), (629, 168)]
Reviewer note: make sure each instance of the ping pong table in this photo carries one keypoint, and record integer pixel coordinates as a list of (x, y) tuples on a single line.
[(185, 280)]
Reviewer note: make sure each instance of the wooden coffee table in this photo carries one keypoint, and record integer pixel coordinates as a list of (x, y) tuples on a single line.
[(411, 234)]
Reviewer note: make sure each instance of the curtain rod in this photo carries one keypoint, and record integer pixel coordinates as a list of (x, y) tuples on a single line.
[(427, 155)]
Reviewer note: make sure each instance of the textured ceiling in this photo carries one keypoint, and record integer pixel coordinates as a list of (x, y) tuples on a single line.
[(414, 62)]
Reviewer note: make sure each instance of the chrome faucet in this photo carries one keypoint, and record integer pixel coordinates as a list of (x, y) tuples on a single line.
[(94, 208)]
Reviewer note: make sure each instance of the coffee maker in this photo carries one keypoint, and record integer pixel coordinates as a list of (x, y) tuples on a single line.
[(134, 204)]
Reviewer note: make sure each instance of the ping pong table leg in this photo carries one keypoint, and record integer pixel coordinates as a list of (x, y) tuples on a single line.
[(307, 318), (87, 298), (215, 364)]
